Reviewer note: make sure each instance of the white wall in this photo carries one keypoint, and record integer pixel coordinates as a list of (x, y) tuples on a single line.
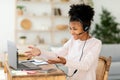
[(112, 6), (7, 22), (7, 17)]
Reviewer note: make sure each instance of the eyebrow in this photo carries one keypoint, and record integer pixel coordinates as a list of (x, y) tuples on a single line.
[(72, 26)]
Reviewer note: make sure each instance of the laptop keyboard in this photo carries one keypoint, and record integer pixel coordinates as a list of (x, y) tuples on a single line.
[(28, 66), (22, 66)]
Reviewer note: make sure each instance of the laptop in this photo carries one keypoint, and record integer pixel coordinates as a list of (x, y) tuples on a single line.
[(14, 62)]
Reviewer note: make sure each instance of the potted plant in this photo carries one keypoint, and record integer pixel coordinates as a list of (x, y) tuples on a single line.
[(20, 9), (23, 39), (109, 33), (107, 30)]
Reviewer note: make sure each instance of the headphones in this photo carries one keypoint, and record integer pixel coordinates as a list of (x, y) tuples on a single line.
[(85, 26)]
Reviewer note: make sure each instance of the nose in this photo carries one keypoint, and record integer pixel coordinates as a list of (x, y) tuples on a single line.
[(72, 32)]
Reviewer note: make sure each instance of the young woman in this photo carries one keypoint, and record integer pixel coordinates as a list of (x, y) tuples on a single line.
[(80, 54)]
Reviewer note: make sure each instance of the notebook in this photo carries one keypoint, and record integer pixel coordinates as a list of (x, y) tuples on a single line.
[(14, 62)]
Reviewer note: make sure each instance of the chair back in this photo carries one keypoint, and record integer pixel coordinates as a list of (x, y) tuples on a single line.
[(103, 68)]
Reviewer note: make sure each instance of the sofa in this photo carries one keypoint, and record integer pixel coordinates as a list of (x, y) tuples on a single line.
[(112, 50)]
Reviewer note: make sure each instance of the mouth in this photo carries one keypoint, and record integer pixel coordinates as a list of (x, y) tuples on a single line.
[(75, 36)]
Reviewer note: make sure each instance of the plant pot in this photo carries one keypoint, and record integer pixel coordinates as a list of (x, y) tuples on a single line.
[(22, 41), (19, 12)]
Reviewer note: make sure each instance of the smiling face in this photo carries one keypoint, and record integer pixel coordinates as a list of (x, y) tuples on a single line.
[(75, 29)]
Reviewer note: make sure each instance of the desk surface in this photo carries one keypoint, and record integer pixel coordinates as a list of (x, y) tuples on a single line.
[(37, 75)]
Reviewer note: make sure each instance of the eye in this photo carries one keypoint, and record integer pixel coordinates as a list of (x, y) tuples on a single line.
[(74, 29)]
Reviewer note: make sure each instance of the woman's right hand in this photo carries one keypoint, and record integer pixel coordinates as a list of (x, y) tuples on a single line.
[(32, 52)]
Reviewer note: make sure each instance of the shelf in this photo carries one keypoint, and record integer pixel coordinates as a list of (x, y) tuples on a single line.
[(49, 2), (45, 16), (65, 2), (33, 2), (61, 16), (33, 16), (59, 30), (35, 31)]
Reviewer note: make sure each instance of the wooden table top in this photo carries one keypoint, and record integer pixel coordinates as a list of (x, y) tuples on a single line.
[(44, 72)]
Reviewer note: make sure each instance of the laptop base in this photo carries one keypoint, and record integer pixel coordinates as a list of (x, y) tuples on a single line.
[(28, 66)]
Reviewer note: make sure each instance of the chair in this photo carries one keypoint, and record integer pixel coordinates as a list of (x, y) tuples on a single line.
[(103, 67)]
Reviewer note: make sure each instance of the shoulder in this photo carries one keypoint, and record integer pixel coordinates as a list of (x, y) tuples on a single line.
[(97, 41), (70, 40)]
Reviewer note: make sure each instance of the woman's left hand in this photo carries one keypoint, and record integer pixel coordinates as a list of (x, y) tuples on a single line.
[(57, 60)]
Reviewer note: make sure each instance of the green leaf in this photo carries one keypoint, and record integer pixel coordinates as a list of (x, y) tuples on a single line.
[(107, 29)]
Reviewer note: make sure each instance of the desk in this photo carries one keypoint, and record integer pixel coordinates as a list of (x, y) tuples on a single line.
[(55, 75)]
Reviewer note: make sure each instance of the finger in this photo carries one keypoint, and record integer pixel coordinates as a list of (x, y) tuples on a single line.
[(27, 52), (29, 57), (54, 61), (61, 58), (31, 47), (50, 62)]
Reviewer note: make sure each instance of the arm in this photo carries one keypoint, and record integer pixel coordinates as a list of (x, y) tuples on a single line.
[(46, 54), (62, 52)]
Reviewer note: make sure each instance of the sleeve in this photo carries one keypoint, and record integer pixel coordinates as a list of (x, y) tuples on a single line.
[(61, 52), (88, 60)]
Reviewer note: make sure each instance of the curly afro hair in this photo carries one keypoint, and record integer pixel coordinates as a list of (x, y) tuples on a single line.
[(81, 12)]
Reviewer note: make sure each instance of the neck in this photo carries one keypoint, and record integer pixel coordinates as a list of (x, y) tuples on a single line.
[(85, 36)]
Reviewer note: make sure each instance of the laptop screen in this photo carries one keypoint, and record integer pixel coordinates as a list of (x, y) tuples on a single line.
[(13, 59), (12, 54)]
